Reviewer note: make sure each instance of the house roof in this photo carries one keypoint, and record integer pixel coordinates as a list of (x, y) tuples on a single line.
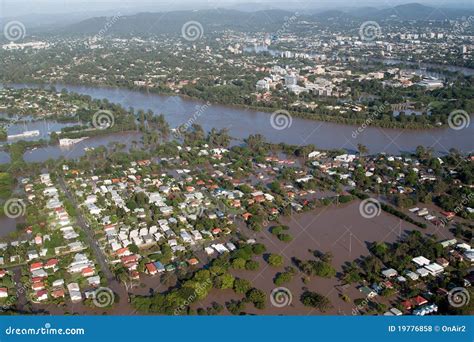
[(407, 304), (51, 262), (129, 259), (442, 261), (422, 272), (122, 251), (58, 293), (419, 300), (246, 216), (193, 261), (36, 265), (421, 261), (389, 272), (41, 293), (38, 285), (434, 268), (151, 267), (37, 279), (87, 270)]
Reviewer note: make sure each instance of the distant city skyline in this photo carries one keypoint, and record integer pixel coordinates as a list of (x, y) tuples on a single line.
[(11, 8)]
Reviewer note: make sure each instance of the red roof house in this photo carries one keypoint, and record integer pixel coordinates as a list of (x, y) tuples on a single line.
[(58, 293), (42, 295), (151, 268), (36, 266), (419, 300), (87, 272), (51, 263)]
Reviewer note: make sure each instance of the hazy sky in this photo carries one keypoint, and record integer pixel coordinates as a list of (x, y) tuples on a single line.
[(11, 8)]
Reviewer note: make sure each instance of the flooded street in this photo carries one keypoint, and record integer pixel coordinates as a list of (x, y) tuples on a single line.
[(340, 230), (7, 225)]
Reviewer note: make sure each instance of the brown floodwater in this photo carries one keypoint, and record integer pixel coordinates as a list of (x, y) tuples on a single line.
[(242, 122), (340, 230), (7, 225)]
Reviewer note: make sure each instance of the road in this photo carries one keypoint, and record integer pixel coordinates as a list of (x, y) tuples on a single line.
[(124, 307), (81, 221)]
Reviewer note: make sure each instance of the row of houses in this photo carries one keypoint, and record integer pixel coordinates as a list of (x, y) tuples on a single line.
[(422, 268), (57, 278), (175, 227)]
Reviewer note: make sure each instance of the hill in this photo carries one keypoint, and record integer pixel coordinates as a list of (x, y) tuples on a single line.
[(172, 22), (269, 20)]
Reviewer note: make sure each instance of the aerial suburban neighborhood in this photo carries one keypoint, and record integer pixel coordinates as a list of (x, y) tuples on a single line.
[(137, 224), (230, 162)]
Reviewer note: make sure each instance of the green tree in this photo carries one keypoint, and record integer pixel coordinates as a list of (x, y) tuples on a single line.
[(242, 286), (224, 281), (282, 278), (315, 300), (275, 260), (257, 297)]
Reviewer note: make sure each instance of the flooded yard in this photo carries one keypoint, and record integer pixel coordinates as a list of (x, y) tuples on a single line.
[(340, 230)]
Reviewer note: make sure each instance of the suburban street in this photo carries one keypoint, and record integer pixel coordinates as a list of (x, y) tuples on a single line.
[(81, 221)]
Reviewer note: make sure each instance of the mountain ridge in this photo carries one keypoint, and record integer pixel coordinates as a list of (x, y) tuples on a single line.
[(261, 20)]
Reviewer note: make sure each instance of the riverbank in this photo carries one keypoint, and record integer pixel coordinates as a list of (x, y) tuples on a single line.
[(304, 115), (299, 131)]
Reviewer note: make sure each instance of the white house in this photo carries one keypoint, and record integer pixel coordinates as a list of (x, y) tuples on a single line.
[(389, 273), (421, 261), (434, 269)]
